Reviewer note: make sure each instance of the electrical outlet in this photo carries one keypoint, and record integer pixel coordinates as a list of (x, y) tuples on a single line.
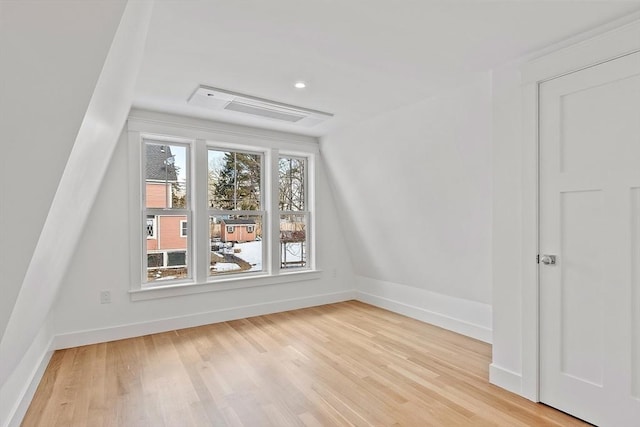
[(105, 297)]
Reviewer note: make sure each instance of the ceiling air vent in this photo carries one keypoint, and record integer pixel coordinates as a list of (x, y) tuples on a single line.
[(219, 99), (263, 111)]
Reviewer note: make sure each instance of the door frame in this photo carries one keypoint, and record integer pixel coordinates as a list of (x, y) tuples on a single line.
[(598, 48)]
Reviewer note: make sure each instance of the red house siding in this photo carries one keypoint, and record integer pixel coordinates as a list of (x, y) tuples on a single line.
[(152, 244), (170, 232), (156, 195), (240, 233), (167, 227)]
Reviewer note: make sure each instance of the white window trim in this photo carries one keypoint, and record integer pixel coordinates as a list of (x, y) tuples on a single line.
[(264, 204), (202, 135), (307, 213), (143, 139), (182, 228)]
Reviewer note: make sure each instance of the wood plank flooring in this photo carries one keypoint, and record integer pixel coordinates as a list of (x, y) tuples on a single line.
[(346, 364)]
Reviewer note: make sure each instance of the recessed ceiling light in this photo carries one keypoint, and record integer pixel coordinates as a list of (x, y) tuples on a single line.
[(300, 85)]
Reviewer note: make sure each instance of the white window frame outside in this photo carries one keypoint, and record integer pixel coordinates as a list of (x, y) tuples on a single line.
[(167, 253), (184, 227), (154, 227), (200, 138)]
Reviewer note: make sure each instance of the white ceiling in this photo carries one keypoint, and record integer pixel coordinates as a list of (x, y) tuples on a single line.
[(359, 57)]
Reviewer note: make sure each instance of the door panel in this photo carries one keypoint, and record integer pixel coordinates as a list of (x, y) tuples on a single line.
[(590, 218), (583, 112), (581, 339)]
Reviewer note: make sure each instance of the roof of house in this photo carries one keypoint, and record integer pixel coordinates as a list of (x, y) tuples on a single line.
[(239, 221), (156, 163)]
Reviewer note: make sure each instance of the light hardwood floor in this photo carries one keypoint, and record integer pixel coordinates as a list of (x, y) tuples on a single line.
[(335, 365)]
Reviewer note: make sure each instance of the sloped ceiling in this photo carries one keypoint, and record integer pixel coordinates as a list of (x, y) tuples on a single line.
[(96, 69), (359, 57)]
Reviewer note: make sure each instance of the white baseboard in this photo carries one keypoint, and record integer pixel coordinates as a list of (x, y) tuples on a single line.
[(465, 317), (75, 339), (505, 378), (16, 393)]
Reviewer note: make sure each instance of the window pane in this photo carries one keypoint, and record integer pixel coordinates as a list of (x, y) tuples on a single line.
[(177, 259), (167, 249), (236, 244), (155, 260), (293, 241), (291, 173), (165, 176), (234, 180)]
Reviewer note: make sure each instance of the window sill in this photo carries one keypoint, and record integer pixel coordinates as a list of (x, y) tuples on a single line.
[(179, 289)]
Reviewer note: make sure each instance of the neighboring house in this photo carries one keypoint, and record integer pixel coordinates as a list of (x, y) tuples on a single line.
[(238, 230), (166, 234)]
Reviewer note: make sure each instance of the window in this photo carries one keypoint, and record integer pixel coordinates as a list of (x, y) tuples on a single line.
[(294, 215), (235, 200), (220, 213), (166, 209), (155, 260)]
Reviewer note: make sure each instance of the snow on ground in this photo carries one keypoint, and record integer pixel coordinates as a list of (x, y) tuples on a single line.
[(226, 266), (293, 253), (251, 252)]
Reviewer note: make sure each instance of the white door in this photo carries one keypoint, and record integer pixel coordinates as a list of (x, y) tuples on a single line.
[(590, 219)]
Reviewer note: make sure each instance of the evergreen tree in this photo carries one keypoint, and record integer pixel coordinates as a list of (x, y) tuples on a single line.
[(178, 196), (236, 186)]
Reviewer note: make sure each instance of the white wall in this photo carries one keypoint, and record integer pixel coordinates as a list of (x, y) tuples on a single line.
[(102, 262), (414, 190), (51, 55), (507, 231), (68, 73), (23, 380)]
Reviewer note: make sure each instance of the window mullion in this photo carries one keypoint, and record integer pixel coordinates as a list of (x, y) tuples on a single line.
[(200, 231), (273, 216), (167, 212), (294, 212), (216, 212), (309, 203), (137, 218)]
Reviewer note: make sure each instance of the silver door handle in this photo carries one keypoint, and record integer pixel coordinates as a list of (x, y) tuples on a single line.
[(548, 259)]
